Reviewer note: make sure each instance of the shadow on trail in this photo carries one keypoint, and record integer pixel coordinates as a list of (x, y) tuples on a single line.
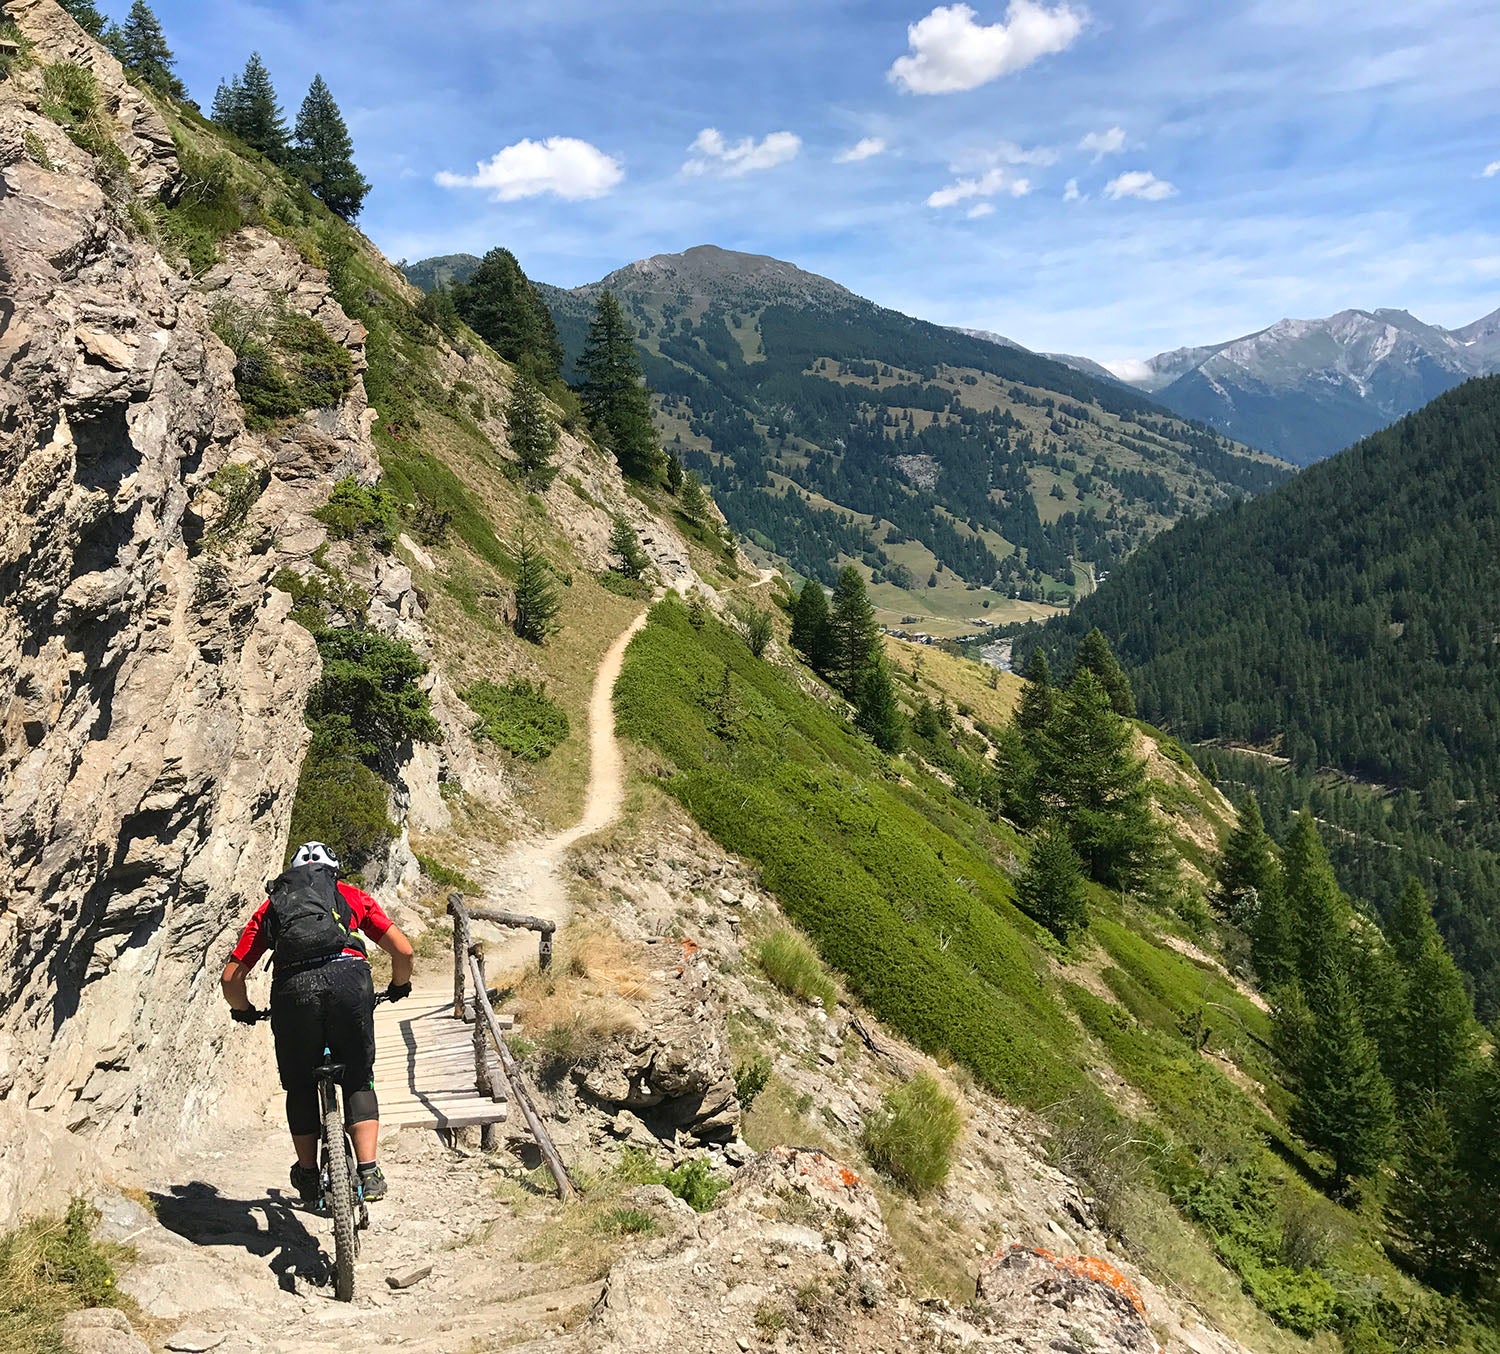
[(268, 1226)]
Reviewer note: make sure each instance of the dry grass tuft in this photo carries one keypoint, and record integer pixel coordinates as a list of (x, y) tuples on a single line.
[(596, 990)]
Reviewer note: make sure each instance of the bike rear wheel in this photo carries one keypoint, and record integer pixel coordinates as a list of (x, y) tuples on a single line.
[(340, 1199)]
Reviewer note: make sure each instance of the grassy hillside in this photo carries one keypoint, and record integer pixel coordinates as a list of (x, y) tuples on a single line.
[(1153, 1063), (1348, 621), (956, 472)]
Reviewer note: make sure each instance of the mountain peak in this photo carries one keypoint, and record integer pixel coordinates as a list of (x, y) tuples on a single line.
[(709, 272)]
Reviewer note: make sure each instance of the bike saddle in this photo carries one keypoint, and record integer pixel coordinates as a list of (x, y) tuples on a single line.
[(330, 1069)]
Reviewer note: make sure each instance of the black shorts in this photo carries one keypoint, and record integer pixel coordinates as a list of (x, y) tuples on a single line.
[(331, 1006)]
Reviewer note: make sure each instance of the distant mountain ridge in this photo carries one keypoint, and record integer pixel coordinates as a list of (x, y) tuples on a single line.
[(1303, 389), (958, 473)]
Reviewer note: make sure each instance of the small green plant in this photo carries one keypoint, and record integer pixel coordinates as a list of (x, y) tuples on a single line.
[(912, 1140), (793, 966), (21, 57), (626, 1222), (70, 97), (36, 152), (284, 364), (770, 1320), (446, 877), (238, 487), (750, 1080), (519, 717), (625, 587), (354, 510), (695, 1184), (48, 1268)]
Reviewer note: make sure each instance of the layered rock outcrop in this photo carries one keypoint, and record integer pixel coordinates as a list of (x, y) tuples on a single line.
[(151, 728)]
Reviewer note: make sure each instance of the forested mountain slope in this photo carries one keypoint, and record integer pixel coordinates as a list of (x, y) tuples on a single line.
[(1348, 620), (833, 430)]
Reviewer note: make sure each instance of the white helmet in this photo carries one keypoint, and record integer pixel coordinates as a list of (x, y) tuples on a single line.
[(315, 853)]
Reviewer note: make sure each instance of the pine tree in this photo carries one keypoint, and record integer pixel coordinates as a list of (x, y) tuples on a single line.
[(854, 635), (1410, 924), (1247, 866), (86, 15), (1345, 1107), (615, 398), (1430, 1195), (626, 545), (693, 500), (537, 601), (1087, 772), (1293, 1031), (1051, 886), (257, 118), (500, 304), (674, 473), (1273, 938), (1435, 1037), (146, 51), (1095, 655), (758, 631), (1319, 911), (1476, 1112), (876, 712), (811, 626), (324, 153), (1038, 699), (724, 710), (229, 101), (533, 434)]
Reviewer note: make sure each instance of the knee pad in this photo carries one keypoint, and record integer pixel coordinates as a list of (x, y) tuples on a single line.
[(361, 1106)]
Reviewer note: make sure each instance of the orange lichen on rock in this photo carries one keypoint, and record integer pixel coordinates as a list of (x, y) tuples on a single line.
[(1101, 1271), (848, 1177)]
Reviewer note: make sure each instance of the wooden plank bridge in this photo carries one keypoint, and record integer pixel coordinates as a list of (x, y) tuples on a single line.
[(447, 1066)]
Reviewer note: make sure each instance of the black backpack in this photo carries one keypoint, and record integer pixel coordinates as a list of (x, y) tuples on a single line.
[(309, 920)]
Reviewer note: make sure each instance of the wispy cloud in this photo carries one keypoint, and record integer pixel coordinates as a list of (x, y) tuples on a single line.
[(867, 148), (1101, 144), (561, 165), (1141, 183), (714, 155), (1071, 192), (990, 184), (980, 209), (1491, 169), (950, 52)]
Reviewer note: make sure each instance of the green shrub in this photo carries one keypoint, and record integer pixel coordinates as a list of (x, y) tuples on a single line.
[(446, 877), (70, 94), (625, 587), (238, 487), (626, 1222), (519, 717), (48, 1268), (354, 509), (369, 690), (695, 1184), (36, 151), (912, 1140), (342, 802), (750, 1080), (793, 966), (283, 365)]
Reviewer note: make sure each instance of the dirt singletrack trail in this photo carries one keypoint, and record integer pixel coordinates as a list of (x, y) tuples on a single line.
[(528, 878), (229, 1257)]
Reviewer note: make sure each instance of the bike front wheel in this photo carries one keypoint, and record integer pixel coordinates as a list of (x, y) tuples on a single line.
[(340, 1201)]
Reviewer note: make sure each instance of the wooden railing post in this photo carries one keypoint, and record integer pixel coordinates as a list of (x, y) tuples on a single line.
[(544, 951), (460, 950)]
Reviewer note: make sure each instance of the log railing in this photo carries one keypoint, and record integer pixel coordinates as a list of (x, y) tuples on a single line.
[(468, 966)]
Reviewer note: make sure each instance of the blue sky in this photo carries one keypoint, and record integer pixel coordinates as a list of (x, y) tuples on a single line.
[(1111, 178)]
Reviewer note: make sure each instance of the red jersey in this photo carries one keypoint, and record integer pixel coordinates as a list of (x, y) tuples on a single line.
[(369, 917)]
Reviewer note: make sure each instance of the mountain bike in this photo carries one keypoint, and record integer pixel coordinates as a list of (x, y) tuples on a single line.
[(343, 1197)]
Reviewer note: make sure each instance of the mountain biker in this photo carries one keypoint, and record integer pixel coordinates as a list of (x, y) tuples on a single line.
[(322, 997)]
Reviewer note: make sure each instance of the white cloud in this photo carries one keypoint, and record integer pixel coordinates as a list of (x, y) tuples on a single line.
[(1491, 169), (990, 184), (865, 149), (1129, 369), (1111, 142), (1141, 183), (563, 165), (1071, 193), (713, 154), (980, 209), (1005, 153), (951, 53)]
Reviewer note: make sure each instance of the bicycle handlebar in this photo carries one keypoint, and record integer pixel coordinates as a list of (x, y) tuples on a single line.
[(256, 1014)]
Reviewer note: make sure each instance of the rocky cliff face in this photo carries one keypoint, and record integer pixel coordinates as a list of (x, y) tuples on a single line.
[(153, 689)]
